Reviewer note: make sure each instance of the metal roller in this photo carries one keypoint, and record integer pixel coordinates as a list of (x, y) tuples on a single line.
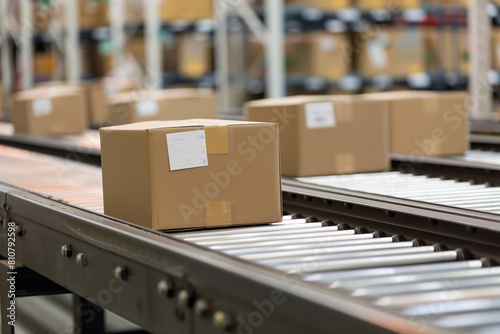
[(419, 188), (459, 306), (410, 299), (352, 283), (457, 283), (286, 224), (290, 238), (311, 241), (270, 250), (407, 248), (281, 233), (321, 249), (371, 262)]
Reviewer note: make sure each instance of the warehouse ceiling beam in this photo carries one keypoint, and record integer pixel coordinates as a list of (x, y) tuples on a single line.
[(275, 73), (480, 60), (6, 59), (153, 78), (117, 32), (71, 43), (26, 45), (269, 34), (221, 55)]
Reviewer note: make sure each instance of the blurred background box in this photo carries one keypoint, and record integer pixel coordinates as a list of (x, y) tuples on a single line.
[(167, 104), (188, 10), (324, 135), (98, 93), (51, 110), (195, 55), (427, 123)]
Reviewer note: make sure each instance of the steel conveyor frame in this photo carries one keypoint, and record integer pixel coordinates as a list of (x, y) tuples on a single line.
[(222, 283), (478, 231)]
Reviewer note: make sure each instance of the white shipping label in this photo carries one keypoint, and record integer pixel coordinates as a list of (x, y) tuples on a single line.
[(377, 55), (147, 108), (111, 89), (187, 149), (42, 107), (320, 115)]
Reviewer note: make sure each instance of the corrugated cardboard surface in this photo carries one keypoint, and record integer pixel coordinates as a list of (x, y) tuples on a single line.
[(195, 55), (324, 4), (357, 143), (427, 123), (67, 116), (189, 10), (98, 93), (238, 187), (391, 51), (173, 104)]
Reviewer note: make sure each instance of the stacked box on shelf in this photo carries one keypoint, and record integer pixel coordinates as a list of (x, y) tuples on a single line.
[(314, 54), (194, 55), (327, 5), (390, 51), (186, 10), (168, 104), (390, 5)]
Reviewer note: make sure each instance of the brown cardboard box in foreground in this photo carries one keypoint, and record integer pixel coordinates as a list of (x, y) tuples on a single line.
[(51, 110), (168, 104), (99, 93), (427, 123), (192, 174), (322, 135)]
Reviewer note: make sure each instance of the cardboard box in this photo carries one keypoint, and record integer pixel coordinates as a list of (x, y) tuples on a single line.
[(318, 54), (463, 50), (396, 52), (1, 101), (323, 135), (98, 93), (389, 5), (168, 104), (441, 48), (44, 65), (192, 174), (50, 110), (188, 10), (495, 48), (195, 55), (427, 123), (324, 4)]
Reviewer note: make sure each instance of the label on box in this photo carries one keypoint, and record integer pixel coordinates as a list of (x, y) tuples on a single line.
[(378, 56), (111, 89), (147, 108), (187, 149), (42, 107), (320, 115)]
